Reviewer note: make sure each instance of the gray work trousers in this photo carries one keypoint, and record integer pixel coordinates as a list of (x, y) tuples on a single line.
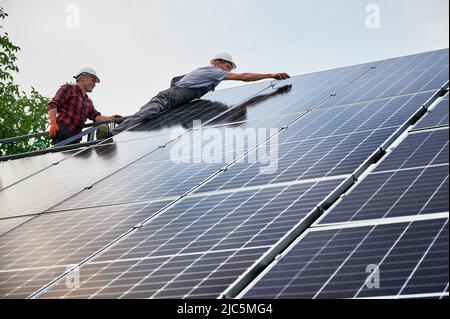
[(173, 97)]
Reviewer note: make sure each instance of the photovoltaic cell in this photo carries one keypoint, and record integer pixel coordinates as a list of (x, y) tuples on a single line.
[(394, 194), (10, 223), (16, 170), (60, 240), (436, 117), (197, 229), (364, 116), (417, 150), (19, 284), (399, 76), (412, 180), (408, 258)]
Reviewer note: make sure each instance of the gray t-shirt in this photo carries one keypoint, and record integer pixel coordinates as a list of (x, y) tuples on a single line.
[(208, 76)]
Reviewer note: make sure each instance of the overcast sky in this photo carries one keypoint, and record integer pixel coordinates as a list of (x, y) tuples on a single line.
[(137, 46)]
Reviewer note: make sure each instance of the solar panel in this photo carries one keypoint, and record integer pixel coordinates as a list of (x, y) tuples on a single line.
[(13, 171), (227, 224), (46, 247), (436, 117), (10, 223), (390, 260), (418, 150), (412, 180)]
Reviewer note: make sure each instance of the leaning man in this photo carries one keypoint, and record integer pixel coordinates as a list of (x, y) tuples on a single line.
[(71, 107)]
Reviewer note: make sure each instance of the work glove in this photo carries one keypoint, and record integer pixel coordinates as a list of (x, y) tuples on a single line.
[(53, 129)]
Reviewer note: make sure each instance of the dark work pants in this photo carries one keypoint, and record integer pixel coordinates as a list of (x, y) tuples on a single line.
[(173, 97)]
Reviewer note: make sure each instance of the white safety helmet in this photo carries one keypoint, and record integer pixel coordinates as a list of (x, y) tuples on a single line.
[(88, 70), (226, 57)]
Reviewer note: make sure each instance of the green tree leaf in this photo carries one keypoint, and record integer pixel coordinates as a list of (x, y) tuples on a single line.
[(20, 114)]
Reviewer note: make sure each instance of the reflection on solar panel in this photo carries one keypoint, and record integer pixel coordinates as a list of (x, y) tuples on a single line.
[(126, 220), (334, 141), (52, 243), (7, 225), (14, 171)]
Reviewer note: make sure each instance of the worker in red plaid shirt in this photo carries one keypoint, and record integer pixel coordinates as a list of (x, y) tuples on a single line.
[(71, 107)]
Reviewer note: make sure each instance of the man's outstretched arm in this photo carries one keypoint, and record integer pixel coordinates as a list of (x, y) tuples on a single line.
[(250, 77), (101, 118)]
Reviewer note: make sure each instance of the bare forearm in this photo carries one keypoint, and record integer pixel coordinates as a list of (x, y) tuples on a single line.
[(101, 118), (250, 77), (52, 115)]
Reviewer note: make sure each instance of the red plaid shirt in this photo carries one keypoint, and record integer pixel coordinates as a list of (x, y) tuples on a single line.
[(73, 108)]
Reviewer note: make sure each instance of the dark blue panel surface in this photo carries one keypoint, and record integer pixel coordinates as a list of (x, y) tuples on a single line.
[(204, 275), (394, 194), (417, 150), (399, 76), (408, 258)]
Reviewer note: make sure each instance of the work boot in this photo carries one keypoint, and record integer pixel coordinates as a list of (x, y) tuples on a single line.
[(103, 132)]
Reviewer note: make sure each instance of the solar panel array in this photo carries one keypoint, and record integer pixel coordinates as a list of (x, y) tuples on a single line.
[(124, 220)]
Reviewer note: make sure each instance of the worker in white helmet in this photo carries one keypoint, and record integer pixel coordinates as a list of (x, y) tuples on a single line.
[(190, 87), (71, 107)]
